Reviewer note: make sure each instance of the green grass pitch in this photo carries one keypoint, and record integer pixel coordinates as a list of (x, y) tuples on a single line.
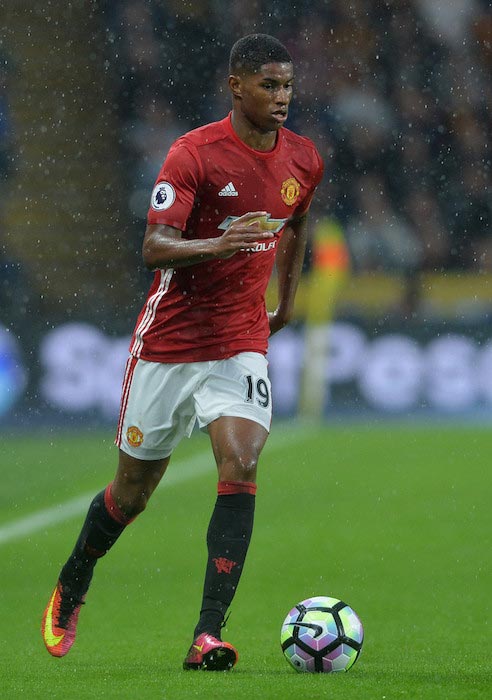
[(393, 519)]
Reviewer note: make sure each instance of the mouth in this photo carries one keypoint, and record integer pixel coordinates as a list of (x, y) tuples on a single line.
[(280, 115)]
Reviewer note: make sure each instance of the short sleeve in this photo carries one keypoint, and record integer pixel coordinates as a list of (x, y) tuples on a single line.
[(316, 177), (175, 188)]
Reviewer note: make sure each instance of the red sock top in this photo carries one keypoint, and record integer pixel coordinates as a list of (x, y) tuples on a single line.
[(226, 488), (115, 512)]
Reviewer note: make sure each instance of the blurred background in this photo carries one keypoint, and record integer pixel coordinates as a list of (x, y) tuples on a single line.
[(394, 310)]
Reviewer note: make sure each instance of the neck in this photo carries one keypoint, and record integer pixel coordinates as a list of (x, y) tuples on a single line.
[(251, 135)]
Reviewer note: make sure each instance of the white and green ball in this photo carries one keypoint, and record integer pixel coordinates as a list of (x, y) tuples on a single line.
[(322, 635)]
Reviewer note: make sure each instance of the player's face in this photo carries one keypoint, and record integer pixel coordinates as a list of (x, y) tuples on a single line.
[(265, 95)]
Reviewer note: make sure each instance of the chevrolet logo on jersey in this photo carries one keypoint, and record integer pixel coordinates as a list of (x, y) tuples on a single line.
[(267, 224)]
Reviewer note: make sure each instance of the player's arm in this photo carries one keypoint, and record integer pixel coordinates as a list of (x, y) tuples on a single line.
[(164, 246), (289, 260)]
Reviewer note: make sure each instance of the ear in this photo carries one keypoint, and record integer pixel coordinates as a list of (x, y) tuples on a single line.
[(235, 85)]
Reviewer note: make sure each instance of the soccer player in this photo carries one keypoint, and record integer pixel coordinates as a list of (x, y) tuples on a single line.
[(230, 199)]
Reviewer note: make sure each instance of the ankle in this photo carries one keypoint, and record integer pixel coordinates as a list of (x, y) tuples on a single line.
[(211, 619), (76, 576)]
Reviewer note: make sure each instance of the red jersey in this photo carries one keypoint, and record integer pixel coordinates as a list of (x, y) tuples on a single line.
[(216, 309)]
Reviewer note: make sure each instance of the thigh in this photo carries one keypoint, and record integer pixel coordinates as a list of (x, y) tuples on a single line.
[(157, 408), (237, 387)]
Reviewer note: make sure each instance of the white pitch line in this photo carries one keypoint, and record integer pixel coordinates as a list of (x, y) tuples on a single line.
[(79, 505), (179, 472)]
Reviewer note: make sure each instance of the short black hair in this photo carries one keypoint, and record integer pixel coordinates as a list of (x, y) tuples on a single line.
[(255, 50)]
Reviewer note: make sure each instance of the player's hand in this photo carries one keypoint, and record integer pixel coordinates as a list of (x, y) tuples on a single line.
[(243, 234), (276, 321)]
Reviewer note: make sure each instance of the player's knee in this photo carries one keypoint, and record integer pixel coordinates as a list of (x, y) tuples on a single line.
[(240, 467), (135, 505), (134, 485), (131, 498)]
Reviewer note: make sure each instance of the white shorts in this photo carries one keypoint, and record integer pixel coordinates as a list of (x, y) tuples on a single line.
[(161, 402)]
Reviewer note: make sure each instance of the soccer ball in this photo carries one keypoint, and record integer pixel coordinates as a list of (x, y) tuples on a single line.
[(321, 635)]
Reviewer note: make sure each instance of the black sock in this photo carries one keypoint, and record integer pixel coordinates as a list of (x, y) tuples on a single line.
[(228, 538), (103, 525)]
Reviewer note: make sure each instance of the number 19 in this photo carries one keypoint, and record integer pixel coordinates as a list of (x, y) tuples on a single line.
[(260, 388)]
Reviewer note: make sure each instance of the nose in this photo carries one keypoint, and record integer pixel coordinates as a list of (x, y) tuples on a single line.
[(283, 96)]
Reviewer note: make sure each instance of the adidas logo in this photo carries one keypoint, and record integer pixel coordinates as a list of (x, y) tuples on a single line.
[(228, 191)]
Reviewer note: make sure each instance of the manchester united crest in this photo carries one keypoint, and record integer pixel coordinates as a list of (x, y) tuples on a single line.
[(134, 436), (290, 191)]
